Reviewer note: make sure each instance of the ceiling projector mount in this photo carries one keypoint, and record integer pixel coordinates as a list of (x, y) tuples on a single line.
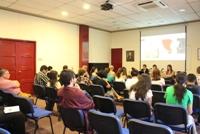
[(106, 6)]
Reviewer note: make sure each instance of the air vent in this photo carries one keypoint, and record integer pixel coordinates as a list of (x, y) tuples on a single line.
[(152, 4)]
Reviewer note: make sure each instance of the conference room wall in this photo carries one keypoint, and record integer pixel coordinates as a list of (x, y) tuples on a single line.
[(130, 40), (99, 46), (57, 42)]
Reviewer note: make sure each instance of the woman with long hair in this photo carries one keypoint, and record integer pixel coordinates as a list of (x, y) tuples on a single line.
[(179, 95), (142, 89), (170, 72), (156, 78)]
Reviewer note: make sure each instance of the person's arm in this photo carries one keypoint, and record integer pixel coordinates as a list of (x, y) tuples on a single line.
[(189, 109)]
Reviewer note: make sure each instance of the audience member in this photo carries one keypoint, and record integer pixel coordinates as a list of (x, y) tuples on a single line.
[(10, 86), (156, 78), (41, 77), (54, 83), (93, 73), (142, 89), (49, 68), (133, 80), (82, 77), (85, 67), (14, 121), (179, 95), (192, 84), (111, 74), (72, 96), (120, 75), (65, 67)]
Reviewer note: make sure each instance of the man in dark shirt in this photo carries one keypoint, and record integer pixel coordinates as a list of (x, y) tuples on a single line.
[(192, 84)]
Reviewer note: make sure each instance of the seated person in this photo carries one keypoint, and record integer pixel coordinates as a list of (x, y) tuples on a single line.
[(72, 96), (54, 83), (192, 84), (41, 77), (82, 77), (10, 86), (144, 69), (133, 80), (111, 74), (170, 72), (120, 75), (14, 122), (156, 78), (142, 89), (198, 75), (179, 95)]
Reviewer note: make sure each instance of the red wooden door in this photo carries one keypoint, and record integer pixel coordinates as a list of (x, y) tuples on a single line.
[(20, 61), (116, 58)]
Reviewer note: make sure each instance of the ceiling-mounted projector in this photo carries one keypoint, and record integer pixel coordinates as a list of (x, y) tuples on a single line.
[(106, 6)]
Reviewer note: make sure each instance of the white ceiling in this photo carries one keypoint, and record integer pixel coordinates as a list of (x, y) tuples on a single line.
[(125, 15)]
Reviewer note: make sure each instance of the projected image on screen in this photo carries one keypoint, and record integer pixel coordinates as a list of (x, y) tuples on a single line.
[(163, 47)]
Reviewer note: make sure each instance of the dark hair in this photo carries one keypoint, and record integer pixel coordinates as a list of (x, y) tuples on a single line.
[(2, 71), (198, 69), (66, 77), (142, 86), (134, 72), (81, 72), (92, 70), (50, 68), (101, 73), (53, 78), (191, 78), (144, 65), (156, 74), (179, 88), (43, 67), (119, 71), (65, 67)]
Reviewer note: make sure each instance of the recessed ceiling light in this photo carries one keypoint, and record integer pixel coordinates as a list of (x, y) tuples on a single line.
[(86, 6), (64, 13), (181, 10)]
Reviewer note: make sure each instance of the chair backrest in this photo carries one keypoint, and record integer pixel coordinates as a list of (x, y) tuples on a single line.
[(155, 87), (196, 103), (83, 86), (104, 123), (142, 127), (4, 131), (104, 104), (24, 104), (73, 119), (158, 96), (51, 94), (137, 109), (96, 90), (165, 87), (39, 91), (170, 114), (119, 87), (169, 81)]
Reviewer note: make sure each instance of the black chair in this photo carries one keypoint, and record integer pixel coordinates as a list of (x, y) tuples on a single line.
[(106, 105), (104, 123), (155, 87), (142, 127), (73, 119), (196, 106), (51, 97), (169, 81), (136, 109), (173, 116), (83, 86), (158, 96), (32, 111), (96, 90), (119, 87), (165, 87), (7, 98), (39, 92)]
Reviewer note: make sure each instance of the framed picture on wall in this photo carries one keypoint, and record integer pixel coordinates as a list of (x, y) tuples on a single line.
[(198, 53), (130, 55)]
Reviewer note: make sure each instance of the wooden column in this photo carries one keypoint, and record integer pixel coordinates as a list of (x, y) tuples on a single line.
[(83, 45)]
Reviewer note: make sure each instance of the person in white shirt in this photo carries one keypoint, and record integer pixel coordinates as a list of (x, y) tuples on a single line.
[(133, 80), (142, 89), (156, 78)]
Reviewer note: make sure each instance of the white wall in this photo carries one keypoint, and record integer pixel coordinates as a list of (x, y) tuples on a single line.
[(193, 42), (128, 40), (57, 43), (99, 46)]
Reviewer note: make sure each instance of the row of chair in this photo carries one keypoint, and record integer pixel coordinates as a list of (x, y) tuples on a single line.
[(164, 113)]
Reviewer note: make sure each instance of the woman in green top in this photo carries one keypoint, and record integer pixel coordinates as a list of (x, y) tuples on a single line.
[(179, 95)]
